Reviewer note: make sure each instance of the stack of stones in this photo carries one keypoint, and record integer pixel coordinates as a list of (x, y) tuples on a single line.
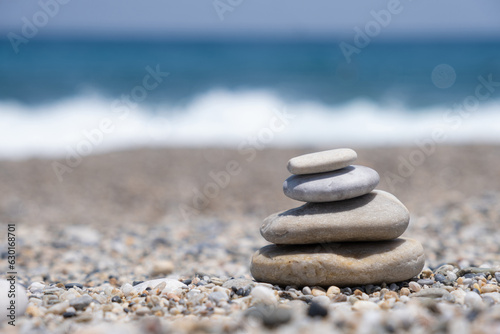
[(347, 234)]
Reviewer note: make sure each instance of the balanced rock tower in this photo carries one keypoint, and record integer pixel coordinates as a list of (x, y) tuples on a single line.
[(346, 234)]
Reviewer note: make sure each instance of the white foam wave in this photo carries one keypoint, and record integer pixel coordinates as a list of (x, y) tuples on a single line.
[(223, 118)]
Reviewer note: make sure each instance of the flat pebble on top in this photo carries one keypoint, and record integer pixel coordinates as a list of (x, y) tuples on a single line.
[(345, 183), (319, 162)]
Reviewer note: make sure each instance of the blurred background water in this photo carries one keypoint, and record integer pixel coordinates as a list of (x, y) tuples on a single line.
[(223, 89)]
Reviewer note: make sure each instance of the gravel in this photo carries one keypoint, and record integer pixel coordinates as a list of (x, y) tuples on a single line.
[(128, 202)]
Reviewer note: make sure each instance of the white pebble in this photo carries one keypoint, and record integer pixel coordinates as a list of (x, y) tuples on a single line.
[(364, 305), (36, 286), (451, 275), (59, 308), (322, 300), (100, 298), (473, 300), (307, 290), (170, 285), (459, 296), (333, 290), (127, 289), (493, 295), (20, 300), (261, 294), (108, 290), (404, 299), (68, 295), (70, 309), (414, 286), (143, 311)]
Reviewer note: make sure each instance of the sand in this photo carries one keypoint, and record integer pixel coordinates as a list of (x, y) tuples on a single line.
[(116, 216)]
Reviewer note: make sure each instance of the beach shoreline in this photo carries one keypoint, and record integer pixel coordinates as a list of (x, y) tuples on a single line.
[(152, 184)]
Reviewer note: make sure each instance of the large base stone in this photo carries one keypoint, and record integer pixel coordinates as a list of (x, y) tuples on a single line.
[(340, 264)]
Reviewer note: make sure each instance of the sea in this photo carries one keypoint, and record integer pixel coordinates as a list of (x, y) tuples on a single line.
[(88, 96)]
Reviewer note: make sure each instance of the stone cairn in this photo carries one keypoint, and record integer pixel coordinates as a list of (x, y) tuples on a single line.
[(347, 234)]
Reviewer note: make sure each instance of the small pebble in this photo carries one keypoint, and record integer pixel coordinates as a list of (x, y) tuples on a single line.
[(69, 314), (264, 295), (431, 293), (243, 292), (489, 288), (81, 303), (369, 288), (439, 278), (59, 308), (127, 289), (467, 281), (425, 281), (317, 310), (333, 290), (73, 285), (84, 317), (218, 296), (116, 299), (473, 300), (495, 296), (451, 276), (36, 286), (339, 298), (143, 311), (363, 305), (426, 273), (317, 291), (414, 286)]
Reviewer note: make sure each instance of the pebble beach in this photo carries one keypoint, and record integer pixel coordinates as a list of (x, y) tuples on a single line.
[(160, 240)]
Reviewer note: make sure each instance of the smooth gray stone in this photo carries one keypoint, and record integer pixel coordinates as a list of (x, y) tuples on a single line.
[(378, 215), (81, 303), (339, 264), (320, 162), (345, 183)]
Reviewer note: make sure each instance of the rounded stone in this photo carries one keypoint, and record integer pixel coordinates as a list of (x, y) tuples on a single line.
[(378, 215), (13, 301), (339, 264), (345, 183), (319, 162)]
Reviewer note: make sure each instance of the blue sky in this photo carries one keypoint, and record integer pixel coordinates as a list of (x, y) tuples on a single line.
[(275, 18)]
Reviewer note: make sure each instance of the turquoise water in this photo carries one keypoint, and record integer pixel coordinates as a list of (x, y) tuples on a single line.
[(52, 93), (47, 71)]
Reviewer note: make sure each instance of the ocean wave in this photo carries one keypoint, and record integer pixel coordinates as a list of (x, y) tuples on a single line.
[(93, 124)]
